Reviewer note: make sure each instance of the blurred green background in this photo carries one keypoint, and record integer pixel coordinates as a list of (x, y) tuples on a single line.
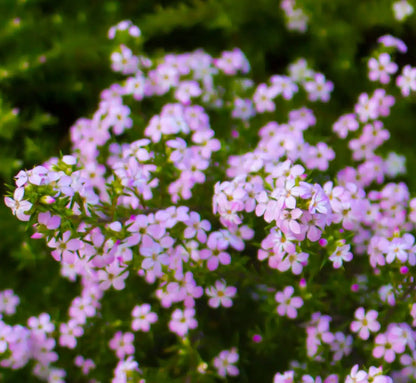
[(54, 61)]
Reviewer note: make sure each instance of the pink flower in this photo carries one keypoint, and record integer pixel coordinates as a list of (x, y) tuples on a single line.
[(196, 227), (232, 61), (284, 85), (48, 221), (154, 129), (155, 256), (186, 90), (82, 308), (410, 363), (391, 41), (384, 102), (6, 334), (215, 253), (375, 375), (263, 99), (124, 61), (224, 363), (402, 9), (8, 302), (342, 253), (317, 157), (182, 321), (42, 347), (123, 370), (386, 293), (220, 294), (135, 86), (365, 323), (243, 109), (356, 376), (294, 261), (65, 247), (56, 375), (18, 205), (114, 275), (366, 108), (382, 68), (398, 248), (122, 344), (296, 19), (319, 88), (319, 202), (299, 70), (41, 324), (341, 345), (407, 80), (85, 364), (288, 304), (389, 344), (289, 222), (345, 124), (286, 377), (69, 332), (143, 317)]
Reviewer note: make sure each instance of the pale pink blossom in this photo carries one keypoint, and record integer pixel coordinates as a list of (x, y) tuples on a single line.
[(365, 323), (221, 294), (288, 305), (225, 363), (143, 317), (18, 205)]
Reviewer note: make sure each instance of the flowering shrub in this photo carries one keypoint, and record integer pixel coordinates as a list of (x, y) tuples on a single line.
[(207, 231)]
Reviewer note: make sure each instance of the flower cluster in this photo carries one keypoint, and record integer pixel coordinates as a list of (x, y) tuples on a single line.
[(143, 201)]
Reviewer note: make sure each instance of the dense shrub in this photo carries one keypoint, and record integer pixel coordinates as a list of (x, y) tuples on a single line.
[(211, 225)]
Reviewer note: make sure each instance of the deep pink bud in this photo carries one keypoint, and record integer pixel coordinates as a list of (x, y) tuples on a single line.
[(257, 338), (404, 270), (302, 283), (47, 200), (323, 242), (355, 287), (235, 134)]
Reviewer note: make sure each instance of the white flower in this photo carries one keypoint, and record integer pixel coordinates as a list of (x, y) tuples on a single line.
[(402, 9), (18, 206), (340, 254)]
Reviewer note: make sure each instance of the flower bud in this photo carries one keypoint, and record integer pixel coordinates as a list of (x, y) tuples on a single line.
[(404, 270), (257, 338), (47, 200)]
